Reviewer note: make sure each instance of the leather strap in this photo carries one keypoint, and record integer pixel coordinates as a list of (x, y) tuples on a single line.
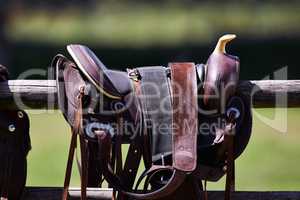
[(136, 149), (76, 129), (132, 164), (84, 166), (69, 165), (185, 116)]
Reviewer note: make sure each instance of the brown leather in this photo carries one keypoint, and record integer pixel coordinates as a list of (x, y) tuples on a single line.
[(185, 117), (76, 129), (84, 166), (69, 82), (112, 84), (222, 75)]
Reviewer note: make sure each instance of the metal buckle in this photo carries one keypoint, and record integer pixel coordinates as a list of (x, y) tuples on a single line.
[(134, 74), (91, 127)]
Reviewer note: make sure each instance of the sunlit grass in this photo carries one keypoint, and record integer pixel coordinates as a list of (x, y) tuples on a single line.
[(270, 162)]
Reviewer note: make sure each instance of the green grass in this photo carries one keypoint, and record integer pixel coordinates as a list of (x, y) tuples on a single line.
[(50, 137), (136, 25), (270, 162)]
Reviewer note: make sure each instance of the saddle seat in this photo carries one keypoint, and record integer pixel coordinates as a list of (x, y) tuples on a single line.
[(121, 81), (113, 84)]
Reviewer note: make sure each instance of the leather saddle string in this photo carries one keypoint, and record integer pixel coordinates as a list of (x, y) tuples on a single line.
[(75, 130), (78, 161), (69, 164), (84, 169)]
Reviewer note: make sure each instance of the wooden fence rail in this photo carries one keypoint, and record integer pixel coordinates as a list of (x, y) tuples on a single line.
[(41, 94)]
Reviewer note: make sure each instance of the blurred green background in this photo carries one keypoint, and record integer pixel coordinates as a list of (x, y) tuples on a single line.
[(132, 33)]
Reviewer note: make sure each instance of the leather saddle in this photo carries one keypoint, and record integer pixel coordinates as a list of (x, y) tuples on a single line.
[(184, 121)]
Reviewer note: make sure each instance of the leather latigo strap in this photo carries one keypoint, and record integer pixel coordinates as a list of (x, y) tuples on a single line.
[(185, 117), (136, 149)]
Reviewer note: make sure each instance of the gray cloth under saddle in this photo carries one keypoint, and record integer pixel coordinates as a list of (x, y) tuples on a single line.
[(157, 109)]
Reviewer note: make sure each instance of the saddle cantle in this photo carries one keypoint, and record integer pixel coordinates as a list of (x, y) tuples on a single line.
[(112, 84), (171, 117)]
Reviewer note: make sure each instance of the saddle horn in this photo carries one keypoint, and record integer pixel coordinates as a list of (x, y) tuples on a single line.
[(222, 75), (221, 45)]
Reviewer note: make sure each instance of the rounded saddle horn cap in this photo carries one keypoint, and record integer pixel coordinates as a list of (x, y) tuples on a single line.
[(221, 45)]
